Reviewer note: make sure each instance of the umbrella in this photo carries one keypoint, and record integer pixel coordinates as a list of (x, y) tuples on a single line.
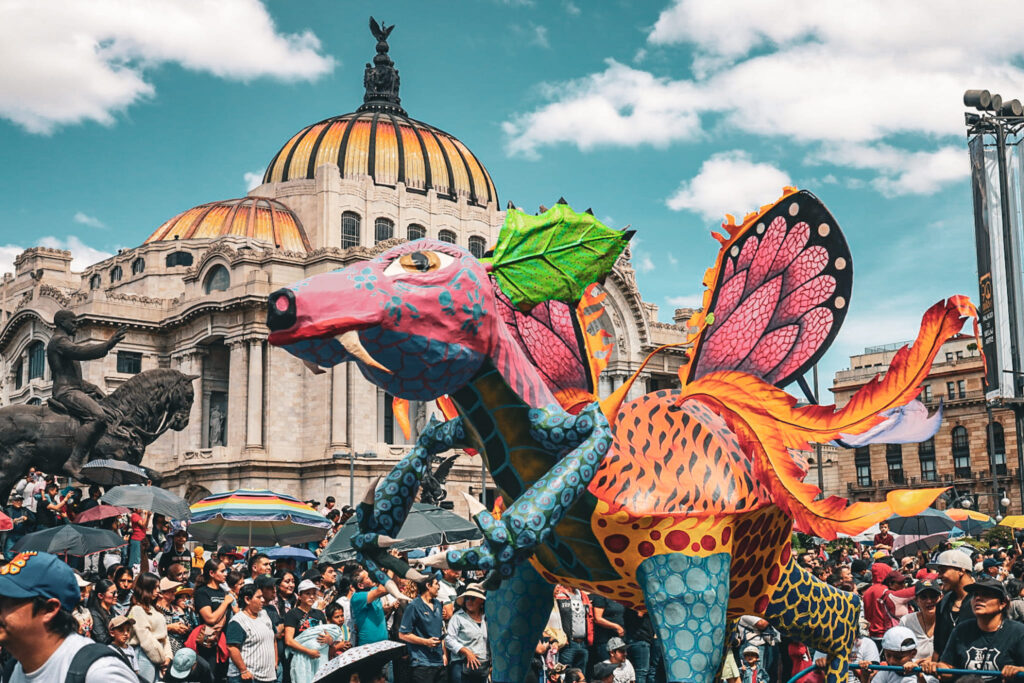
[(288, 552), (971, 522), (108, 472), (98, 512), (6, 523), (256, 517), (904, 545), (927, 522), (362, 659), (152, 498), (70, 539), (425, 526), (1013, 521)]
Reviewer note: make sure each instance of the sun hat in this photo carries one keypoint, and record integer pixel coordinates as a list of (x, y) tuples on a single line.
[(82, 582), (751, 650), (473, 590), (899, 639), (167, 585), (953, 558), (40, 575), (120, 620), (181, 665), (306, 585)]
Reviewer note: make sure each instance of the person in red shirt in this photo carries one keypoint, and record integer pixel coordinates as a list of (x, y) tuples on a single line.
[(879, 609), (140, 522), (883, 539)]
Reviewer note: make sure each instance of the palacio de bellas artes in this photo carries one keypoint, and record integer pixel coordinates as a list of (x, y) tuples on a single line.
[(192, 296)]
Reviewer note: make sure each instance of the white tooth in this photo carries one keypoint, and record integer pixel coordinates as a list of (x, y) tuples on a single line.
[(475, 506), (350, 342), (313, 367), (438, 560)]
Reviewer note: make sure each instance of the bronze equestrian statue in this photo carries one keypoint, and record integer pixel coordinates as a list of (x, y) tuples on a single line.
[(80, 423)]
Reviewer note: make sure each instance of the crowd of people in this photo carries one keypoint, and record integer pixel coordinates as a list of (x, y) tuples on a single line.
[(164, 608)]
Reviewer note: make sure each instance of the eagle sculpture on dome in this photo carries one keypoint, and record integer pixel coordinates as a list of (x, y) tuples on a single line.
[(379, 32)]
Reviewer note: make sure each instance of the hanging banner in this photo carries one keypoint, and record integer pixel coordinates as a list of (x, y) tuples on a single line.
[(983, 245)]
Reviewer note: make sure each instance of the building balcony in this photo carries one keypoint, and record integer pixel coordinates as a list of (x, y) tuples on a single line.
[(979, 478)]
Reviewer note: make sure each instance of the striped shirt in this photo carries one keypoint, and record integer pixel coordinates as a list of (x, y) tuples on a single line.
[(255, 639)]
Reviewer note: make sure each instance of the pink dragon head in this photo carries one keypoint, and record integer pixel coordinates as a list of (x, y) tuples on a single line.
[(418, 320)]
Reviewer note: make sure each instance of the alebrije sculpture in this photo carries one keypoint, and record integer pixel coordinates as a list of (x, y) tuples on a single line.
[(680, 502)]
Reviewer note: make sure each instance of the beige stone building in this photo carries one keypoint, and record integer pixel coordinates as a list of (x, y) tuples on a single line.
[(958, 456), (193, 293)]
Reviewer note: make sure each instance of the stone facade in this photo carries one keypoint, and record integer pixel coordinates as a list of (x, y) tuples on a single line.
[(260, 419), (957, 457)]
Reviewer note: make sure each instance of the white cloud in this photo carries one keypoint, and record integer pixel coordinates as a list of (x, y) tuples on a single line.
[(572, 9), (643, 263), (619, 106), (91, 221), (813, 72), (253, 180), (902, 172), (672, 260), (8, 252), (85, 61), (729, 182), (685, 301), (540, 36), (82, 255)]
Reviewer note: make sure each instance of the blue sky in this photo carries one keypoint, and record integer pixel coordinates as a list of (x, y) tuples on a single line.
[(115, 116)]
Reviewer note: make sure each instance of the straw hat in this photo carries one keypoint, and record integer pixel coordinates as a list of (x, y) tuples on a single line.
[(473, 590)]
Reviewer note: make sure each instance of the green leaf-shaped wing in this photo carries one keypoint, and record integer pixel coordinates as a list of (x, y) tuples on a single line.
[(553, 256)]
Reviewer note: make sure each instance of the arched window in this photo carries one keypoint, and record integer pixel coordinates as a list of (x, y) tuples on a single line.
[(217, 280), (926, 453), (862, 460), (961, 453), (349, 229), (477, 246), (999, 447), (19, 374), (35, 401), (115, 274), (383, 229), (138, 265), (95, 282), (446, 236), (178, 258), (416, 232), (36, 360), (894, 462)]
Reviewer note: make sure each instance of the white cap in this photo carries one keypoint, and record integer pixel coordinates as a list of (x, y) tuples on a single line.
[(953, 558), (307, 585), (899, 639), (751, 650)]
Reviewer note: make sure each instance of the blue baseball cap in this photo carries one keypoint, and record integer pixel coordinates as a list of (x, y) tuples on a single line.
[(40, 575)]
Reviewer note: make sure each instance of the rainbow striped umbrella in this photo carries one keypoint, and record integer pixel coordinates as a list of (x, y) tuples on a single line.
[(253, 517)]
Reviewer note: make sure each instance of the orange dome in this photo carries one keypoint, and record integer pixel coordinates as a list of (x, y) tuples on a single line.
[(389, 147), (257, 217)]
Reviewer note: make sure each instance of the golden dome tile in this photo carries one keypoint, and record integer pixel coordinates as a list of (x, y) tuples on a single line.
[(260, 218)]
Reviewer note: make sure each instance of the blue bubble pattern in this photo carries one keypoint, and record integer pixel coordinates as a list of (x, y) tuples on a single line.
[(516, 615), (687, 599)]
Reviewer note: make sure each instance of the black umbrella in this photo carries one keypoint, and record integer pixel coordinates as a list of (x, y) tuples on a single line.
[(108, 472), (70, 539), (364, 660), (152, 498), (425, 526), (925, 523)]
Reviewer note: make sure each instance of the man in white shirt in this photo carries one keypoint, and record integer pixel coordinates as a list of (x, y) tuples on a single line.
[(37, 595), (624, 672)]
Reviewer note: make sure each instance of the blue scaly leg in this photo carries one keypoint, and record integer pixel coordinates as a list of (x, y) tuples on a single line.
[(531, 519), (516, 615), (687, 598), (380, 517)]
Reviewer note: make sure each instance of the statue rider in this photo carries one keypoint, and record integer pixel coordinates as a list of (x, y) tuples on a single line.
[(78, 397)]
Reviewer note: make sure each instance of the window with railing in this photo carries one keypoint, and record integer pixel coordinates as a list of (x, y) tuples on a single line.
[(862, 459), (383, 229), (998, 447), (95, 282), (961, 388), (178, 258), (129, 362), (415, 231), (961, 453), (926, 454), (950, 390), (477, 246), (138, 266), (926, 393), (19, 374), (116, 274), (894, 463), (446, 236), (350, 229)]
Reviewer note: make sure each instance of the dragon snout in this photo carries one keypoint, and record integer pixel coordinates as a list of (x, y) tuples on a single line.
[(281, 309)]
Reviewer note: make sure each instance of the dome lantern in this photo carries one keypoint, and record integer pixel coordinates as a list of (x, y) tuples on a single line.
[(381, 79)]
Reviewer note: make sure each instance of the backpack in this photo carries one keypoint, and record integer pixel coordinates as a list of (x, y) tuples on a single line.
[(86, 657)]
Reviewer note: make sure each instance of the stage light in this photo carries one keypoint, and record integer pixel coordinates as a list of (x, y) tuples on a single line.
[(1012, 108), (971, 119), (997, 103), (979, 99)]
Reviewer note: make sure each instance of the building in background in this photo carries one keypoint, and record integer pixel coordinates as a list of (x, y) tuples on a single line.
[(193, 294), (957, 456)]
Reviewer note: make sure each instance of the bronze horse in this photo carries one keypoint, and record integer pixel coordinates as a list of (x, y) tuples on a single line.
[(42, 436)]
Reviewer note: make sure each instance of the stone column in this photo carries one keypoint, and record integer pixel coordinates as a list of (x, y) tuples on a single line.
[(189, 439), (238, 377), (339, 405), (254, 395)]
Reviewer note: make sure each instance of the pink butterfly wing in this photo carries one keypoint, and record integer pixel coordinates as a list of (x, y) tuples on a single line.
[(782, 294)]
